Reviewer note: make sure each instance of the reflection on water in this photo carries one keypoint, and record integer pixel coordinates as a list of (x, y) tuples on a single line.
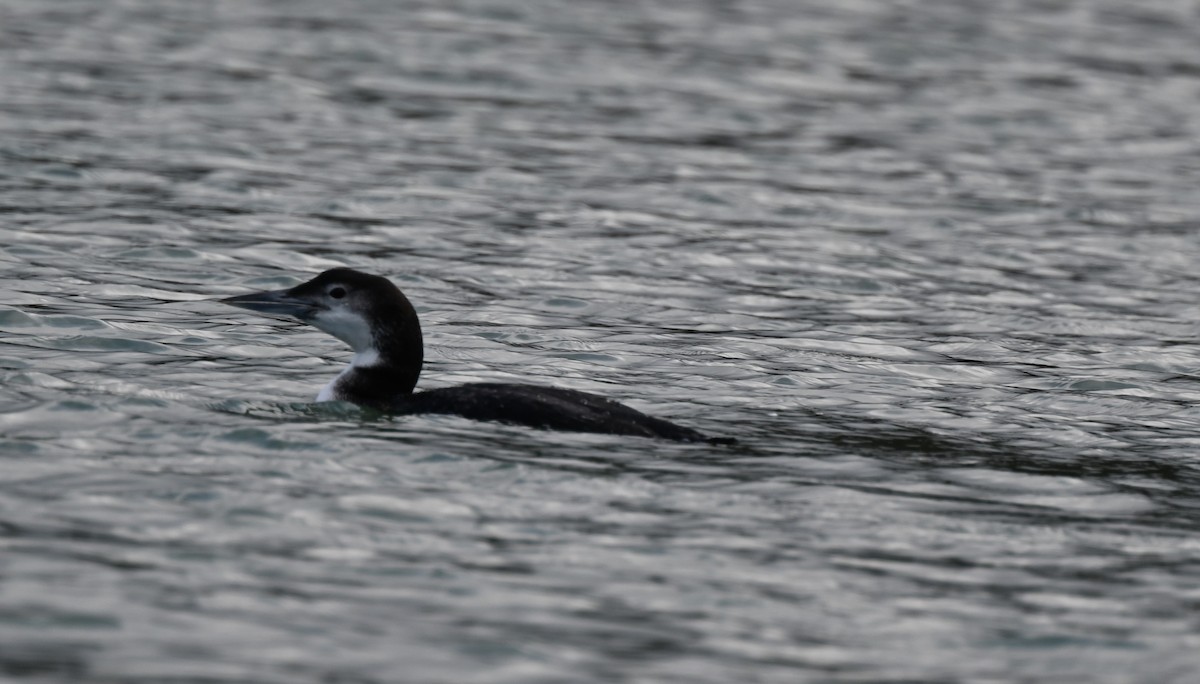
[(931, 263)]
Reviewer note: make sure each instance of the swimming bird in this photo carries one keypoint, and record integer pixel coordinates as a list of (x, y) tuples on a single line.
[(373, 316)]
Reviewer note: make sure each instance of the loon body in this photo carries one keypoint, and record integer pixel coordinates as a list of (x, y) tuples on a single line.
[(374, 317)]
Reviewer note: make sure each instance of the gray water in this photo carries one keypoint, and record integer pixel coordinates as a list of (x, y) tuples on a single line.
[(932, 263)]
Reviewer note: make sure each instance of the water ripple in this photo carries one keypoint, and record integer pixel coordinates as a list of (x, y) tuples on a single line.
[(931, 263)]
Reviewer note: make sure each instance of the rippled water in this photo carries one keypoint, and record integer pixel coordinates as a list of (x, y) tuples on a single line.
[(933, 263)]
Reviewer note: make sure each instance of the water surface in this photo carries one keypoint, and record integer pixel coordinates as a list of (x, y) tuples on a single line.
[(932, 263)]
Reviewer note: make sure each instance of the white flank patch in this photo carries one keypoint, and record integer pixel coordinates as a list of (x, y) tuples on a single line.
[(326, 393)]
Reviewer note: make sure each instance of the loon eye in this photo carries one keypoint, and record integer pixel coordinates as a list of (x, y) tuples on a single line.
[(337, 292)]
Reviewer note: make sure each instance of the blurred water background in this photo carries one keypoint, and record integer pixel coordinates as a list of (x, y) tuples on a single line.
[(932, 262)]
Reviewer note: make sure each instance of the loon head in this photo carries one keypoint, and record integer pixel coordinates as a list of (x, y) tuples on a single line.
[(365, 311)]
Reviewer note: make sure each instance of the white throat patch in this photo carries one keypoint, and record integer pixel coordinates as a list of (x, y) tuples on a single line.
[(363, 359), (348, 326)]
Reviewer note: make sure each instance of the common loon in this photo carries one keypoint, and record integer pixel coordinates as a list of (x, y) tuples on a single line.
[(374, 317)]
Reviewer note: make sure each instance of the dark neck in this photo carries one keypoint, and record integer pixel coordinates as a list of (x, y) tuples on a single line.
[(377, 385), (397, 337)]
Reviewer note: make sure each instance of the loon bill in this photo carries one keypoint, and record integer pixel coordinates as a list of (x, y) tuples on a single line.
[(374, 317)]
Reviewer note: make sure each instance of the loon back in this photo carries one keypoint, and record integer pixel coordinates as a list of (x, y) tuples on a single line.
[(550, 408), (376, 320)]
